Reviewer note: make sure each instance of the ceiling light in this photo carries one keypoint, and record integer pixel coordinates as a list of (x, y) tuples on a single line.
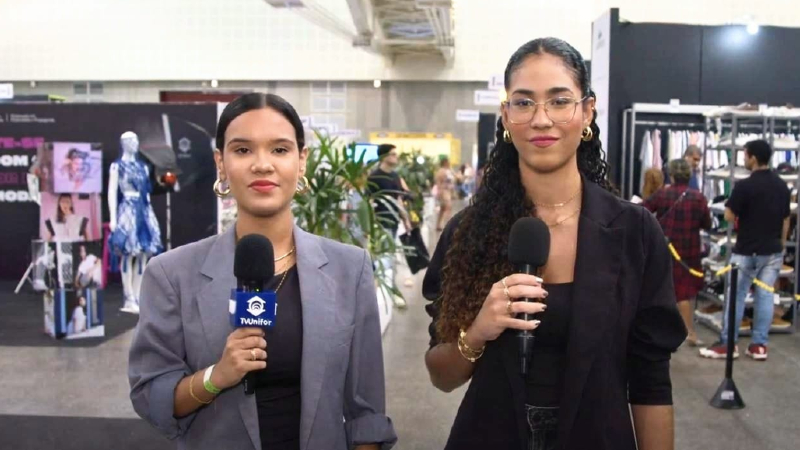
[(752, 28), (376, 83), (214, 84)]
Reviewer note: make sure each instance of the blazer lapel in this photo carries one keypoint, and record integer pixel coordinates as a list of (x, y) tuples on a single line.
[(594, 300), (212, 302), (317, 297)]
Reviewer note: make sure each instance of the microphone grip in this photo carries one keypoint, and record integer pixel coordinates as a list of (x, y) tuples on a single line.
[(526, 338), (249, 383)]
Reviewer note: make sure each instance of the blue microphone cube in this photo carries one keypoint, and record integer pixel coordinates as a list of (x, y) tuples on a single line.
[(253, 309)]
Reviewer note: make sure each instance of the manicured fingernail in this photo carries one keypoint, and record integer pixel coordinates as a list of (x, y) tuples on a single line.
[(546, 294), (539, 280), (536, 323), (544, 306)]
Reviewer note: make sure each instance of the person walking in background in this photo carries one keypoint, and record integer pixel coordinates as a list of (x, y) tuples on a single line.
[(385, 180), (693, 156), (653, 181), (682, 213), (445, 184), (761, 205)]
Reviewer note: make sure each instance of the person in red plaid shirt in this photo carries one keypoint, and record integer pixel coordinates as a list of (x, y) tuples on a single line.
[(682, 213)]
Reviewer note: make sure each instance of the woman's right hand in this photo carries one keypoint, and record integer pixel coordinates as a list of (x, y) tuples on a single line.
[(237, 358), (494, 317)]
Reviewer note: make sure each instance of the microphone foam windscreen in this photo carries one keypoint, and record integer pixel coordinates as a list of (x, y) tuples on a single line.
[(529, 242), (255, 259)]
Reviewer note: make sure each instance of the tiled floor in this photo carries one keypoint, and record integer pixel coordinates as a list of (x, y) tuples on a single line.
[(91, 382)]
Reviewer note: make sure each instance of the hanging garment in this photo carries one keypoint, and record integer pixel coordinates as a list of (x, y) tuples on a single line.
[(645, 156), (658, 162), (137, 229)]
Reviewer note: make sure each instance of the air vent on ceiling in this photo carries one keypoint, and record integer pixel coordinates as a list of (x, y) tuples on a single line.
[(285, 3)]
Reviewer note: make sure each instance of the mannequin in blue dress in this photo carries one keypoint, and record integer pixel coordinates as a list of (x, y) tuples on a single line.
[(135, 234)]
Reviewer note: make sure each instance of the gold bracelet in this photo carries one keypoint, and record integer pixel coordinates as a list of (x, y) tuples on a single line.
[(191, 392), (470, 354)]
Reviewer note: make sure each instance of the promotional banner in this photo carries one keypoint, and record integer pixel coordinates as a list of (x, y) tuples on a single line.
[(185, 130)]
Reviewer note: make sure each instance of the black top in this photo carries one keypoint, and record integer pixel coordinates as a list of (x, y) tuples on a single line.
[(387, 183), (623, 327), (546, 376), (278, 386), (761, 203)]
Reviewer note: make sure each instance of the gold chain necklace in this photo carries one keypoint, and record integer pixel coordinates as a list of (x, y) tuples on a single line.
[(559, 205), (559, 222), (286, 255)]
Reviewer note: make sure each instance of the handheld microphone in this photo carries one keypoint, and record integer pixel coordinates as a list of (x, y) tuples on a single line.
[(528, 249), (253, 266)]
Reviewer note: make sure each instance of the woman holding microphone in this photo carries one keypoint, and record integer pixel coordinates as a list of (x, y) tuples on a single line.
[(319, 370), (606, 321)]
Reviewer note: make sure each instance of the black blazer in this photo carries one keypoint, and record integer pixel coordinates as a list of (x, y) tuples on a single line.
[(624, 327)]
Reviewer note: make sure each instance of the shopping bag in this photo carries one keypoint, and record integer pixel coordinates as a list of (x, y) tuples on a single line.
[(417, 255)]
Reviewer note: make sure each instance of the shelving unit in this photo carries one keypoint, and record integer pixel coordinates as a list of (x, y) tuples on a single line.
[(766, 125), (642, 114)]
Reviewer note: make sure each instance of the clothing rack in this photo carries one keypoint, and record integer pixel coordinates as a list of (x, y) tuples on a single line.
[(637, 110)]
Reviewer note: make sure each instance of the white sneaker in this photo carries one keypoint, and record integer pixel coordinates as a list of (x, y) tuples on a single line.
[(130, 306)]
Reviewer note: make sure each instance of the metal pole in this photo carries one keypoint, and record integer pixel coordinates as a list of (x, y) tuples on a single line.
[(630, 154), (727, 395), (623, 175), (169, 221)]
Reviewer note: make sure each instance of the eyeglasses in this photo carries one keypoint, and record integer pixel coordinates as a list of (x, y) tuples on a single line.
[(558, 110)]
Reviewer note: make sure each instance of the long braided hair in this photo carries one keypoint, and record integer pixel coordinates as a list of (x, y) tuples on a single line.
[(477, 256)]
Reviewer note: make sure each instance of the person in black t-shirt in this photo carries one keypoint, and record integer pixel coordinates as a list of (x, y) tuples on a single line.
[(761, 205), (385, 179), (389, 207)]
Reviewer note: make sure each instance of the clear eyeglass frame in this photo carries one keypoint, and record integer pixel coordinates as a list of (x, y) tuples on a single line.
[(529, 111)]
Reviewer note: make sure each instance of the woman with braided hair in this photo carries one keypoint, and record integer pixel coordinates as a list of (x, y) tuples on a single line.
[(609, 324)]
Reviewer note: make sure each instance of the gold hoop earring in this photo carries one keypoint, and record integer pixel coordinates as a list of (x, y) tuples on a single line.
[(303, 187), (587, 134), (219, 193), (506, 136)]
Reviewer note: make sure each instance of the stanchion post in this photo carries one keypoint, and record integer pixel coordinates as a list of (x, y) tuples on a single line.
[(727, 396)]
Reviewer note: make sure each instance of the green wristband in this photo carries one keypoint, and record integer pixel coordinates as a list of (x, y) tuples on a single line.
[(208, 384)]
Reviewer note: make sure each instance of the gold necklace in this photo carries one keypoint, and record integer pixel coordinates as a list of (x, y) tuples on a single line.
[(559, 222), (286, 255), (559, 205)]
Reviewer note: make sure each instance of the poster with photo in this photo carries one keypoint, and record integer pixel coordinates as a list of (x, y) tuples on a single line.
[(77, 168), (82, 314), (43, 273), (87, 260), (64, 266), (70, 217)]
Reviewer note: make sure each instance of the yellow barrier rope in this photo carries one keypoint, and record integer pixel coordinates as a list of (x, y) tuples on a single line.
[(719, 273)]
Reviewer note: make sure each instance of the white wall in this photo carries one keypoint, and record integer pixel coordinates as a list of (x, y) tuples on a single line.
[(249, 40)]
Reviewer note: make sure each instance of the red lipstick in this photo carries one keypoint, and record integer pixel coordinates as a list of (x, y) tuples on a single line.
[(262, 186)]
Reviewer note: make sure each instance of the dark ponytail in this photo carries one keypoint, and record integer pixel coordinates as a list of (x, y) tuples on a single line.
[(477, 256)]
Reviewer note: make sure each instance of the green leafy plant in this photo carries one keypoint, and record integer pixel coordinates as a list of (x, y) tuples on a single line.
[(338, 204)]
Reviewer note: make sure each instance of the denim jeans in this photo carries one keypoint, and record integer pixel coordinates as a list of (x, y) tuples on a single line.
[(543, 427), (766, 268)]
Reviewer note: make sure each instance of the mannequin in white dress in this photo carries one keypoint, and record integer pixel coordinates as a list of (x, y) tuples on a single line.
[(135, 234)]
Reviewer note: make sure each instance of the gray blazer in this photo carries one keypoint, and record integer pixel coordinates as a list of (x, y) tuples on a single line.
[(184, 324)]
